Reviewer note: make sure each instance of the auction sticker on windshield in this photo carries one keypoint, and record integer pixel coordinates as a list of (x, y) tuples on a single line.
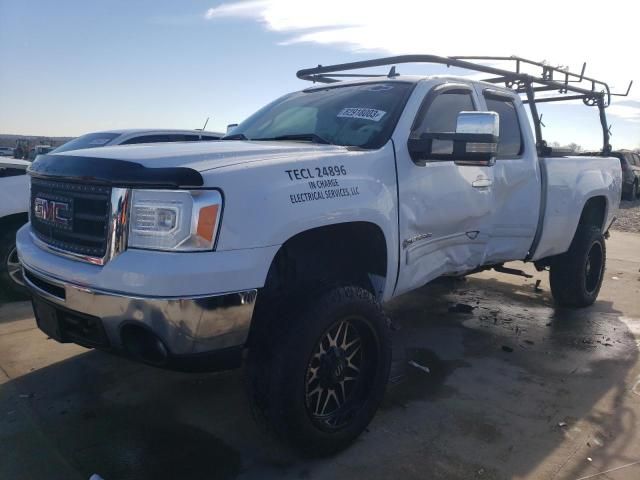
[(363, 113)]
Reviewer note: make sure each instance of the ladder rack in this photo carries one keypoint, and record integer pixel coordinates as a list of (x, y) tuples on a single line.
[(559, 82)]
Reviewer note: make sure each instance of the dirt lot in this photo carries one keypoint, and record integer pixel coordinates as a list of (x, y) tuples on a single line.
[(517, 389), (628, 217)]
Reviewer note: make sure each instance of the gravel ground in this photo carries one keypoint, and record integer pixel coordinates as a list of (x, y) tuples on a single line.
[(628, 217)]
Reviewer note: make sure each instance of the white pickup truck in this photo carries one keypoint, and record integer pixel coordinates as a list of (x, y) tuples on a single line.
[(278, 245)]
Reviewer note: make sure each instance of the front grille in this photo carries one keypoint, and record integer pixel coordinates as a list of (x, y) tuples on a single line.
[(80, 224)]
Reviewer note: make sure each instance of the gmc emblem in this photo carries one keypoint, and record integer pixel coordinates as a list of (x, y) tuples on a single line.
[(52, 211)]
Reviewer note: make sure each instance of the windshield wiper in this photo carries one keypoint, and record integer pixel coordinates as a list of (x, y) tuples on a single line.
[(310, 137), (235, 136)]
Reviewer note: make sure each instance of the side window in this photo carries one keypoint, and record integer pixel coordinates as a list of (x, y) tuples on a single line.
[(181, 137), (441, 116), (442, 113), (189, 138), (209, 138), (510, 140), (146, 139)]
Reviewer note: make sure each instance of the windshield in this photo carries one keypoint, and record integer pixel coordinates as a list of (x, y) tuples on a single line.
[(90, 140), (361, 115)]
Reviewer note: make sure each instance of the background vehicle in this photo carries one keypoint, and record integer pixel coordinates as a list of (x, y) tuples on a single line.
[(39, 150), (14, 192), (630, 163), (14, 185), (283, 240), (6, 151), (135, 136)]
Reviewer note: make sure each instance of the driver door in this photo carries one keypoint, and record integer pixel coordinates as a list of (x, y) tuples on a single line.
[(444, 206)]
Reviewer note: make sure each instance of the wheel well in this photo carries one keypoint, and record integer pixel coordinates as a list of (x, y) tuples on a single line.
[(342, 252), (17, 219), (354, 252), (594, 212)]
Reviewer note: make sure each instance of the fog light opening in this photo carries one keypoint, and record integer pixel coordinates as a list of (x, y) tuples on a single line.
[(142, 344)]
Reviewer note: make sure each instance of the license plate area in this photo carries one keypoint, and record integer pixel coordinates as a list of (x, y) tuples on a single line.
[(47, 319), (68, 326)]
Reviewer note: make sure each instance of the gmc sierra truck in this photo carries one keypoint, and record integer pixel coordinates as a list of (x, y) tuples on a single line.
[(277, 246)]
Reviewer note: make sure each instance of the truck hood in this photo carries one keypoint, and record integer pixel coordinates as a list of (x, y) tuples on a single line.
[(203, 156)]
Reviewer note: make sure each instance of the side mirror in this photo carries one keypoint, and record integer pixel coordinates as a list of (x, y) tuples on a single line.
[(474, 142), (230, 127)]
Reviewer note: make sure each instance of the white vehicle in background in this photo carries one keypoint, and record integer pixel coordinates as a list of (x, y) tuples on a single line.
[(280, 243), (14, 201), (134, 137), (14, 185), (6, 151)]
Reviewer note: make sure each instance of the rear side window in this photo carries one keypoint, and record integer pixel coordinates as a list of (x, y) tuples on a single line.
[(510, 140), (209, 138)]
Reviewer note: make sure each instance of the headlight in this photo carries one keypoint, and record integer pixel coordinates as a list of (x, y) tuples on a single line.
[(174, 220)]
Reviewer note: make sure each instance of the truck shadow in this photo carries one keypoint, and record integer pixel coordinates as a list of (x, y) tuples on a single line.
[(478, 389)]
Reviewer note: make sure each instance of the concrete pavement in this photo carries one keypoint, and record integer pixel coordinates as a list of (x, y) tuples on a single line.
[(517, 389)]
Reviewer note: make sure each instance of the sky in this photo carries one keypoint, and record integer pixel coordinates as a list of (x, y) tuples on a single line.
[(69, 67)]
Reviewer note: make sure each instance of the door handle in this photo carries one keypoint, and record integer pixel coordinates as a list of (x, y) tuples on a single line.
[(482, 183)]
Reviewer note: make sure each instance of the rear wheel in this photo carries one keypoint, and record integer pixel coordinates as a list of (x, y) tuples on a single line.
[(576, 276), (320, 381)]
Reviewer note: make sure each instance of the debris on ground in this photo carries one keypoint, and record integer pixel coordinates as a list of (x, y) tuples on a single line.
[(590, 459), (27, 395), (461, 308), (419, 367), (615, 278), (529, 342), (506, 348), (562, 424)]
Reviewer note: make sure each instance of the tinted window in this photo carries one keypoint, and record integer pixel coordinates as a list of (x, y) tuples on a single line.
[(147, 139), (358, 115), (442, 112), (90, 140), (189, 138), (510, 141), (442, 116), (209, 138)]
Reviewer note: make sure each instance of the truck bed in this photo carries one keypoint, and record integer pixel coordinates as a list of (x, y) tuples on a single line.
[(568, 183)]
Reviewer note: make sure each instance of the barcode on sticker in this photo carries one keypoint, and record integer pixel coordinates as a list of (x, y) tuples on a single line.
[(363, 113)]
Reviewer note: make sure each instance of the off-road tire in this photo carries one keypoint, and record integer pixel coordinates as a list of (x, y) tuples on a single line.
[(576, 275), (8, 259), (279, 368)]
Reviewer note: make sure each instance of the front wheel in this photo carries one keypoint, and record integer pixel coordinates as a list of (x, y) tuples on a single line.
[(576, 276), (325, 373)]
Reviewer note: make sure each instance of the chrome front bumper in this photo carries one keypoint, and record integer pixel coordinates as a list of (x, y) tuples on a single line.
[(186, 325)]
